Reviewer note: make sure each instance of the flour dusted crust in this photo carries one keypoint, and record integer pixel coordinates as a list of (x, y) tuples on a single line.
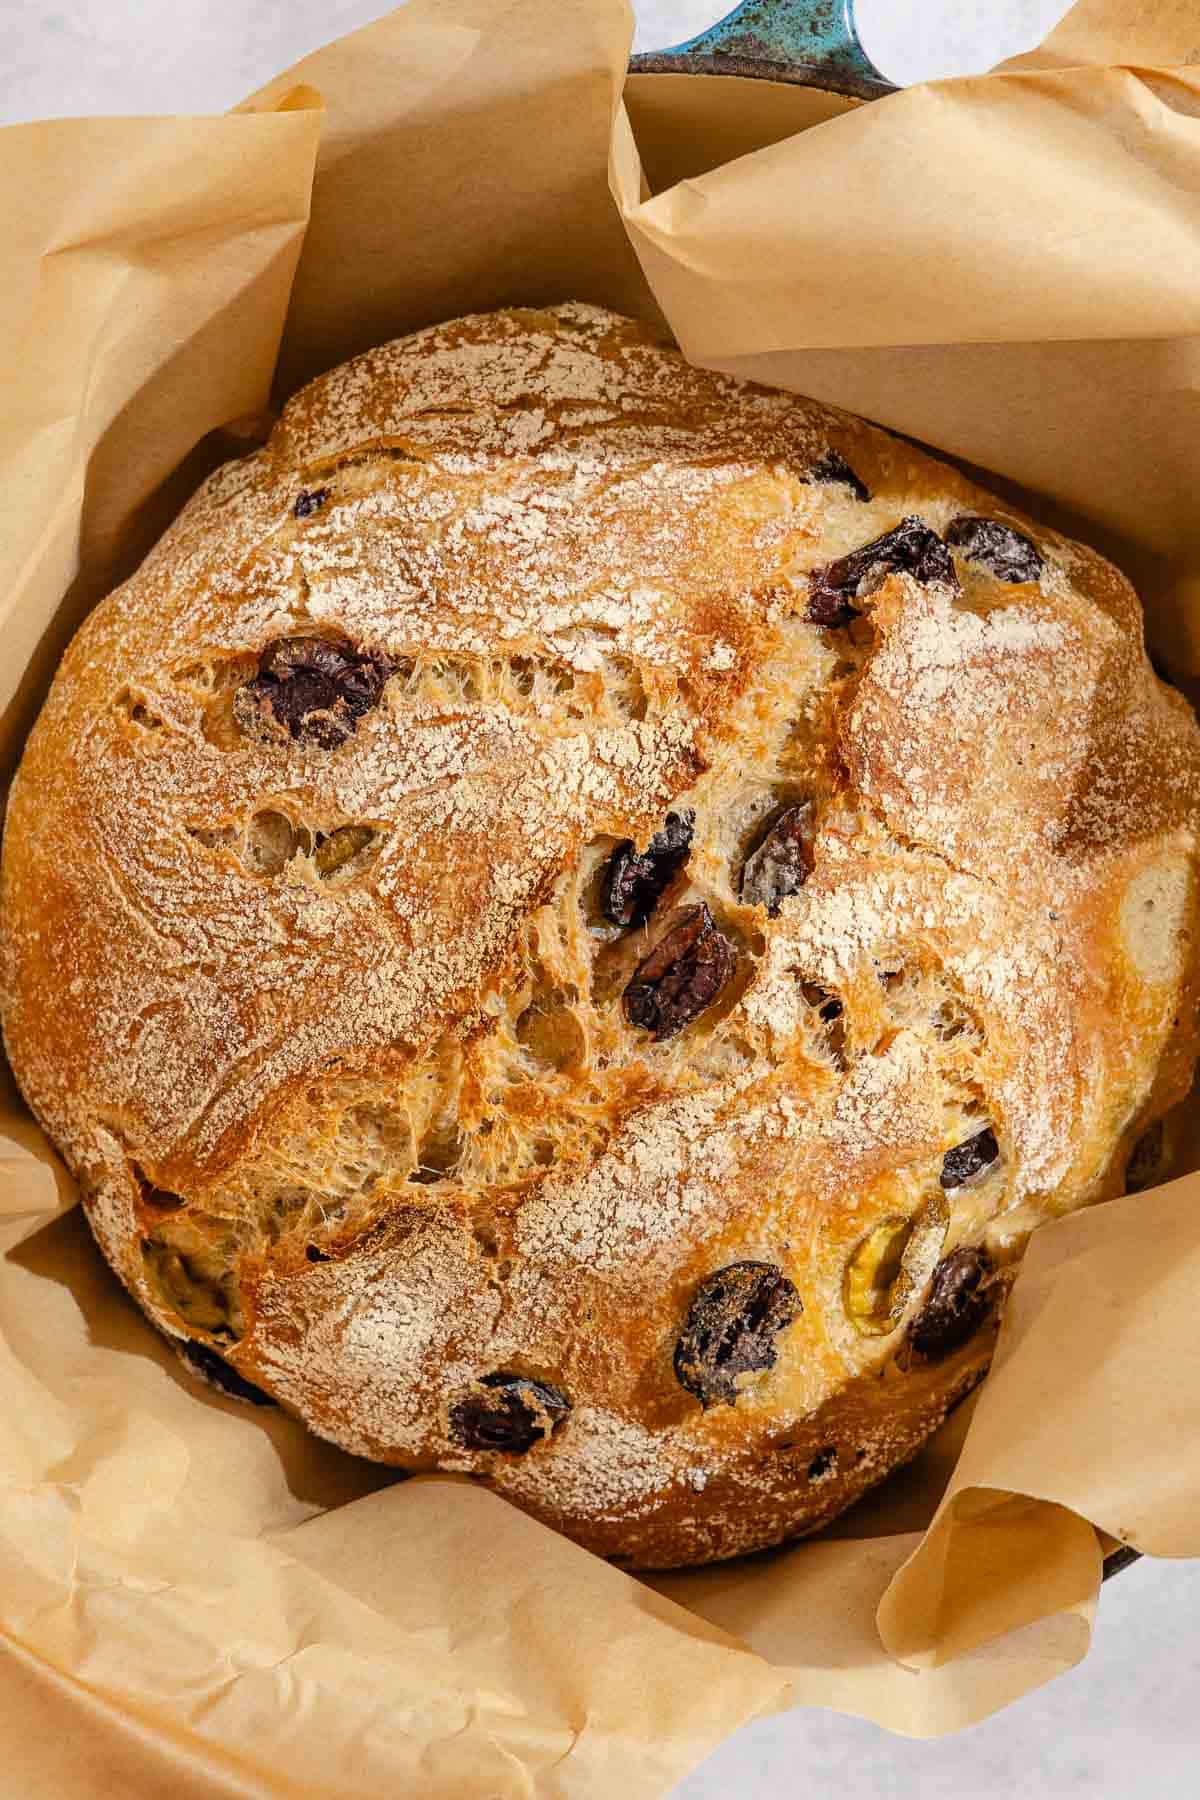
[(363, 1117)]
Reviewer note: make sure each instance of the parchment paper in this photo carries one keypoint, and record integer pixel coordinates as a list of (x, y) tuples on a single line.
[(196, 1598)]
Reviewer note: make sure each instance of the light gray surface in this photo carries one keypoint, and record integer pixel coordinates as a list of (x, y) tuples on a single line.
[(1125, 1723), (142, 56)]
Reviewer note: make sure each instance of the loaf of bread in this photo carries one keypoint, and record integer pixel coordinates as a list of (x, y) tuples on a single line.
[(575, 913)]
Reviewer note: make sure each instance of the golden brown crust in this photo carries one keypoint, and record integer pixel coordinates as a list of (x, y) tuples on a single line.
[(366, 1115)]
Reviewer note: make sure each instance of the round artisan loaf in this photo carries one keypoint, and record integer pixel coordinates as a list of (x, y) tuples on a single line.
[(574, 914)]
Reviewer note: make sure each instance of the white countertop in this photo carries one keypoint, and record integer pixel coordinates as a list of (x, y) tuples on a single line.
[(1125, 1723)]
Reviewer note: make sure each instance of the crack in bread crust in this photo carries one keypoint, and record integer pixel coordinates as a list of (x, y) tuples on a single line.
[(328, 1017)]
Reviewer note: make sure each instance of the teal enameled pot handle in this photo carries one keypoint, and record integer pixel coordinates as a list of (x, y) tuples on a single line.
[(813, 43)]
